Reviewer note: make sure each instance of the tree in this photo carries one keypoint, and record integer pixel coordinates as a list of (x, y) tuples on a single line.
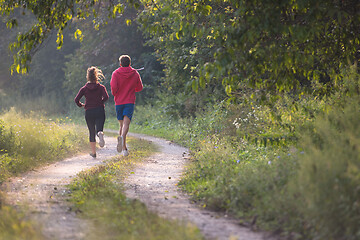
[(183, 55), (51, 15), (46, 77), (56, 73), (7, 36), (283, 45)]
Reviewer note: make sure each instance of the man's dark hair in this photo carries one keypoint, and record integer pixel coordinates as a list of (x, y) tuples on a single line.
[(125, 60)]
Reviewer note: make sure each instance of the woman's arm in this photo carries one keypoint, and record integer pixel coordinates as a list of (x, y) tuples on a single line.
[(78, 97), (105, 95)]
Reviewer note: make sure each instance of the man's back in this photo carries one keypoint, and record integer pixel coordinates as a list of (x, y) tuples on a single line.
[(125, 81)]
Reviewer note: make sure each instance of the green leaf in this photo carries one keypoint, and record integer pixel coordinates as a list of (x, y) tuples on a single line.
[(78, 34), (202, 82), (228, 90), (195, 85), (60, 39), (208, 9)]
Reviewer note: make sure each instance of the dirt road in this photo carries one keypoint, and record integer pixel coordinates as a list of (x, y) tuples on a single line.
[(43, 192), (155, 184)]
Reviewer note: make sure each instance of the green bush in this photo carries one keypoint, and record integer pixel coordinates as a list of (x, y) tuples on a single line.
[(329, 174), (214, 119), (7, 139), (243, 181), (308, 193)]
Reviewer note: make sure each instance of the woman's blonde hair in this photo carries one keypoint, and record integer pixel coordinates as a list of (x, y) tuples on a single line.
[(94, 75)]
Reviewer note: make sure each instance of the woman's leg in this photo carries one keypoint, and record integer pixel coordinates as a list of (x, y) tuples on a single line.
[(93, 148), (100, 120), (90, 121), (99, 124)]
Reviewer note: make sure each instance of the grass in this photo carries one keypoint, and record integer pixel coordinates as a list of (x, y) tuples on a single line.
[(27, 141), (248, 183), (98, 195)]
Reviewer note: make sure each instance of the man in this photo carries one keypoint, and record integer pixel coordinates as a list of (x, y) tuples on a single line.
[(125, 81)]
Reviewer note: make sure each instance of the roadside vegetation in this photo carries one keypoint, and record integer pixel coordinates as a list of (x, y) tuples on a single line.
[(31, 140), (98, 196), (28, 141)]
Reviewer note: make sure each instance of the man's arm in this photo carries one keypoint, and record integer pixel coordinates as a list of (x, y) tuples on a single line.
[(113, 84), (105, 95), (139, 85)]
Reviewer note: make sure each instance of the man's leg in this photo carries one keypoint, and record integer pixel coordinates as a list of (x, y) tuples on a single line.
[(125, 130), (119, 146), (120, 126)]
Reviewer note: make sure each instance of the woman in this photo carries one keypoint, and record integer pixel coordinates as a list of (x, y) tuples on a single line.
[(95, 97)]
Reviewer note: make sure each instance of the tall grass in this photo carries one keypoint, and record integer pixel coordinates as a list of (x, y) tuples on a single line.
[(46, 105), (99, 196), (155, 120), (30, 140), (328, 179)]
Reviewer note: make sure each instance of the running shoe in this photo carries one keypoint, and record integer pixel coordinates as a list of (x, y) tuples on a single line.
[(101, 139), (93, 155), (125, 153)]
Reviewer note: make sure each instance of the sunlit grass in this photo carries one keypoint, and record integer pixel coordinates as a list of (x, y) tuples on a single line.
[(98, 194), (28, 141)]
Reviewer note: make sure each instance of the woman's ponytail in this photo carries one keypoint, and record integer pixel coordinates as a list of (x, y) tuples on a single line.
[(94, 75)]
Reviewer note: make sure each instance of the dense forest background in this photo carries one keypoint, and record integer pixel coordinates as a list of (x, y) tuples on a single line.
[(56, 74), (193, 50), (265, 93)]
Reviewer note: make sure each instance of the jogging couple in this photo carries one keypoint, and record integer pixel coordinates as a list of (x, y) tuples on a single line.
[(125, 81)]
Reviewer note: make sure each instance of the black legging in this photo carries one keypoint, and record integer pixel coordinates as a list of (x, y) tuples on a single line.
[(95, 119)]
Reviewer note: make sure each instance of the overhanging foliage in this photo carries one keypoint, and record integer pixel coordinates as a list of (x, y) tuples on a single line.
[(282, 45), (51, 15), (273, 45)]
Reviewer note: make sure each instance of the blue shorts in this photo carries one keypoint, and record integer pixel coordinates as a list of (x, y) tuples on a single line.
[(124, 110)]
